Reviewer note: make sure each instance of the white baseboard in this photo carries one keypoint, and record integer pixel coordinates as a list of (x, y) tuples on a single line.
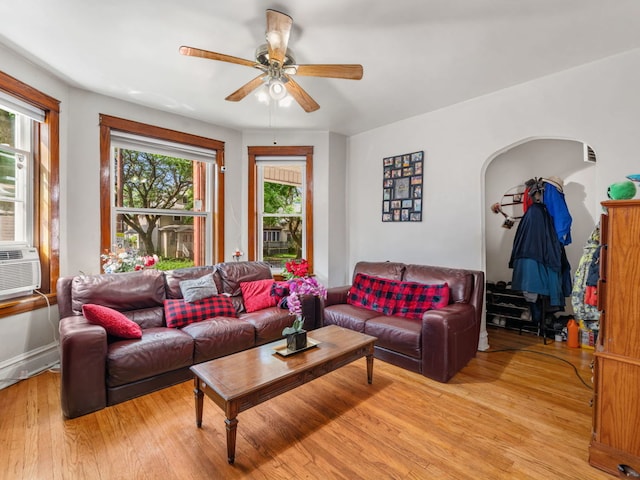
[(28, 364)]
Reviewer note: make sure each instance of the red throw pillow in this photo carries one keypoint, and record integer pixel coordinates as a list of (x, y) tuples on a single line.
[(413, 298), (179, 313), (257, 295), (114, 322), (373, 293)]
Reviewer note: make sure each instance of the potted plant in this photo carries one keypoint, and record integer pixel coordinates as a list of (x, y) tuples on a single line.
[(295, 334), (299, 284)]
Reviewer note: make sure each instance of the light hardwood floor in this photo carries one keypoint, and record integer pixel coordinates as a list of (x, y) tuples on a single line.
[(507, 415)]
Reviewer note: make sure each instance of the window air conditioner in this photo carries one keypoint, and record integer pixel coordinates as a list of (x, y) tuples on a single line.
[(19, 271)]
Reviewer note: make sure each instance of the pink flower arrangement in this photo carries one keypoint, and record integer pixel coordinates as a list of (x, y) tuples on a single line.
[(303, 286), (126, 260)]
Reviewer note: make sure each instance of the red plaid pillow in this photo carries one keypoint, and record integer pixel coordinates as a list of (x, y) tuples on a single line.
[(179, 313), (413, 299), (372, 293)]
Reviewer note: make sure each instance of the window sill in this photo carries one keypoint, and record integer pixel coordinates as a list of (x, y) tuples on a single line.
[(28, 303)]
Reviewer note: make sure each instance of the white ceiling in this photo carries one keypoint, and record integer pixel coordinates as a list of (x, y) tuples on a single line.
[(418, 55)]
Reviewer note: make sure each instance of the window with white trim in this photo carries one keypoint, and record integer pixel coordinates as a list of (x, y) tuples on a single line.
[(162, 201), (17, 145), (280, 205)]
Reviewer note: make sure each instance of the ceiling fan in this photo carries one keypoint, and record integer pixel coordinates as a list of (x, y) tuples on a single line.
[(278, 65)]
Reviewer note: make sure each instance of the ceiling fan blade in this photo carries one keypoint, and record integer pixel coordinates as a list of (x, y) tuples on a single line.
[(278, 30), (197, 52), (303, 98), (350, 72), (246, 89)]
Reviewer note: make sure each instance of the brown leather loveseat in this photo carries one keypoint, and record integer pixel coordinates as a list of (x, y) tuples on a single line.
[(437, 345), (98, 370)]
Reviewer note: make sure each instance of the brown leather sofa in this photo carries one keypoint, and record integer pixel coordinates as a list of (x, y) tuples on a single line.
[(437, 346), (98, 370)]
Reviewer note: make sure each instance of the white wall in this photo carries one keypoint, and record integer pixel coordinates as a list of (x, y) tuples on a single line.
[(596, 103)]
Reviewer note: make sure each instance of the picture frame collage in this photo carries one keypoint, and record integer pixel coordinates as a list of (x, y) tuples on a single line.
[(402, 187)]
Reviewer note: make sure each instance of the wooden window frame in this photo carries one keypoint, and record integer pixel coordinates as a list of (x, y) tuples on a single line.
[(278, 151), (46, 218), (108, 123)]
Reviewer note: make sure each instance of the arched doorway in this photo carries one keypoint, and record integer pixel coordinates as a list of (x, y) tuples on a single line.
[(570, 160)]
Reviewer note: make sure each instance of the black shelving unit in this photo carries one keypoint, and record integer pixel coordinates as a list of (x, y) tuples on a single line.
[(507, 308)]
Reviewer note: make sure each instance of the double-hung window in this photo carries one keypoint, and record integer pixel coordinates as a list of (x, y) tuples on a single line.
[(16, 171), (280, 205), (162, 196)]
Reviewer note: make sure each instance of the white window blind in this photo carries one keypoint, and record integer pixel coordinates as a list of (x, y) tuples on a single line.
[(15, 105), (161, 147), (289, 158)]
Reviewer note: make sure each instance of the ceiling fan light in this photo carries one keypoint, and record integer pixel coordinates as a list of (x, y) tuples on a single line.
[(277, 90)]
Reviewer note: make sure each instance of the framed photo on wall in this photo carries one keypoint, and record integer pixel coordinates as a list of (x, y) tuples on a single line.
[(402, 187)]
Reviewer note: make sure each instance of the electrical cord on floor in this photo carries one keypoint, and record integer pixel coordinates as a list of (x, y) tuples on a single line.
[(575, 369), (51, 369), (54, 368), (53, 328)]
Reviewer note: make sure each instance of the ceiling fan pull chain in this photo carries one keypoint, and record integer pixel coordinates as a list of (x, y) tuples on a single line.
[(273, 104)]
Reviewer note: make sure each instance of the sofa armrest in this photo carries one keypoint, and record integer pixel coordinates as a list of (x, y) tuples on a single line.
[(449, 340), (83, 360), (337, 295)]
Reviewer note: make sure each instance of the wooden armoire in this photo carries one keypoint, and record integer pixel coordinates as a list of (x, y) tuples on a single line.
[(616, 409)]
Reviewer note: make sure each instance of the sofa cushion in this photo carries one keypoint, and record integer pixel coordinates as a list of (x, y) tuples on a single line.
[(120, 291), (348, 316), (373, 293), (280, 290), (147, 317), (257, 295), (402, 335), (114, 322), (173, 278), (198, 288), (390, 270), (232, 274), (460, 281), (179, 313), (159, 350), (220, 336), (413, 298), (268, 323)]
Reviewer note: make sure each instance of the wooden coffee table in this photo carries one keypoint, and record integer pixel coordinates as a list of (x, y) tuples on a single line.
[(240, 381)]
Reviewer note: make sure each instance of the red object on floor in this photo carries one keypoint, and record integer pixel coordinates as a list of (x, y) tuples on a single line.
[(572, 334)]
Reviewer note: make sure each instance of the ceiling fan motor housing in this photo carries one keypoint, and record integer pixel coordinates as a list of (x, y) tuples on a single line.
[(262, 56)]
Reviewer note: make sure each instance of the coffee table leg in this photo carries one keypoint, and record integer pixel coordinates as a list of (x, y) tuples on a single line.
[(370, 368), (232, 425), (199, 397)]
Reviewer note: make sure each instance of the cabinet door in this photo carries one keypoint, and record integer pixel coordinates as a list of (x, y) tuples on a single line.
[(618, 417), (622, 276)]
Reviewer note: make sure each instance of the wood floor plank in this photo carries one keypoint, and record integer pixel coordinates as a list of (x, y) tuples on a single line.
[(513, 414)]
